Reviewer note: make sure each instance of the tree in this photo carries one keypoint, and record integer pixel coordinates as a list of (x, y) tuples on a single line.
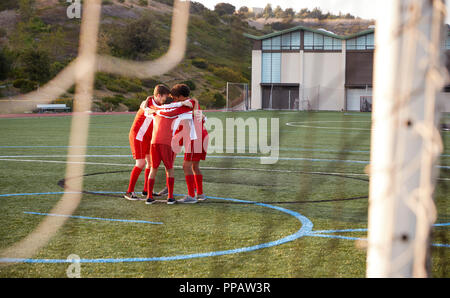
[(36, 65), (26, 9), (138, 38), (289, 13), (303, 13), (268, 13), (224, 9), (8, 4), (243, 11), (5, 64), (197, 8), (278, 12), (316, 13)]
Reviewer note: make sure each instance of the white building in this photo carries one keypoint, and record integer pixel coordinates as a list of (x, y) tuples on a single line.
[(308, 69), (256, 10)]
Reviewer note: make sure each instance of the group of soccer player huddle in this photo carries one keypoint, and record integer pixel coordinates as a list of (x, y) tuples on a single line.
[(166, 122)]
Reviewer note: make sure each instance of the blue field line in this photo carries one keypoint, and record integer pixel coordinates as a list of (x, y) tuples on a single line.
[(442, 224), (440, 245), (335, 236), (55, 193), (305, 229), (339, 231), (360, 239), (324, 234), (95, 218), (38, 193), (365, 229), (64, 146)]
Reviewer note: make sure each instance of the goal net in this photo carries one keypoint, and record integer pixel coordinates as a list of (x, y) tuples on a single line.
[(237, 97)]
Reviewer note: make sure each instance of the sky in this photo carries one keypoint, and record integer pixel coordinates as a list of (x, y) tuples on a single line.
[(366, 9)]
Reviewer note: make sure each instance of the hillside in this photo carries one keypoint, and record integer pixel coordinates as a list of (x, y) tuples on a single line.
[(338, 26), (37, 41)]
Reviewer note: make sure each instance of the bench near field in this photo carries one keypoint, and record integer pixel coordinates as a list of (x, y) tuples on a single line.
[(43, 108)]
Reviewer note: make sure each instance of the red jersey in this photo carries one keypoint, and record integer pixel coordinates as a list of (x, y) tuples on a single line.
[(163, 120), (142, 126)]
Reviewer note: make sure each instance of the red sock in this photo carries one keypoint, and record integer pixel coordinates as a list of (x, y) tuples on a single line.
[(190, 182), (199, 184), (151, 184), (147, 172), (133, 178), (170, 181)]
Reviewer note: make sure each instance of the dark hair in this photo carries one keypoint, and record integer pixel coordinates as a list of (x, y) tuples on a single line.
[(180, 89), (169, 99), (161, 90)]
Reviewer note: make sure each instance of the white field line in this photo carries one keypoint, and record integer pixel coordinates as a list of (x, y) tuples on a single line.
[(206, 168)]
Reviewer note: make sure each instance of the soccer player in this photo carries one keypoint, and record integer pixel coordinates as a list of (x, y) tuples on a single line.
[(195, 150), (161, 148), (140, 136)]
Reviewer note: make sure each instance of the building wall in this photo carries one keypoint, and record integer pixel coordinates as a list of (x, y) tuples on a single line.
[(324, 80), (290, 68), (256, 95)]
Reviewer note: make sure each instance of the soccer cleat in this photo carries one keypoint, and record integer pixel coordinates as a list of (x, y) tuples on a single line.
[(150, 201), (163, 192), (131, 196), (201, 197), (171, 201), (187, 200), (144, 194)]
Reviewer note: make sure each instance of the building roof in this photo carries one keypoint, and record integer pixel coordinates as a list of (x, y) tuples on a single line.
[(323, 32)]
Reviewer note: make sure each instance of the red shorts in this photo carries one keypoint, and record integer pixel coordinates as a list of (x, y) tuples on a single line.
[(164, 153), (139, 149), (194, 154)]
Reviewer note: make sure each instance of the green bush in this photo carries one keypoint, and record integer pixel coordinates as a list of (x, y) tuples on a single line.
[(150, 83), (9, 4), (227, 74), (5, 63), (143, 2), (114, 87), (35, 25), (55, 68), (219, 100), (114, 100), (206, 99), (190, 84), (133, 104), (128, 85), (110, 103), (36, 64), (25, 85), (200, 63), (71, 90), (137, 39)]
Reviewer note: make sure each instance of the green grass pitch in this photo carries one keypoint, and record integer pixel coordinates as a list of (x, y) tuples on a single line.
[(320, 176)]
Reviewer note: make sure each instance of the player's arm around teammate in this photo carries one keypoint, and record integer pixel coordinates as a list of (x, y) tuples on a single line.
[(139, 137), (195, 150), (161, 150)]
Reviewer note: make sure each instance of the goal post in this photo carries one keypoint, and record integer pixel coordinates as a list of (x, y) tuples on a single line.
[(237, 98), (405, 141)]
